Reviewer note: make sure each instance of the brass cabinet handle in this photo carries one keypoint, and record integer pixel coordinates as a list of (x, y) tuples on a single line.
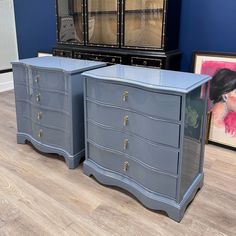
[(126, 142), (38, 98), (126, 166), (40, 133), (125, 96), (113, 60), (39, 115), (36, 79), (126, 120), (144, 63)]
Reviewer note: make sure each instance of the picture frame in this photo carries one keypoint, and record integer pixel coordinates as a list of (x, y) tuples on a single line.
[(221, 128)]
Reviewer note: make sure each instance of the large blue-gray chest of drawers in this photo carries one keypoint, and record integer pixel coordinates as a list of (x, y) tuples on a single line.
[(144, 131), (49, 104)]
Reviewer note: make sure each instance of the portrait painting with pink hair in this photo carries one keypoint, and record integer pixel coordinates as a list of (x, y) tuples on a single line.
[(222, 100)]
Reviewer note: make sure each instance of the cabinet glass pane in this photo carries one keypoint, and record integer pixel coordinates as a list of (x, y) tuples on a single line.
[(102, 22), (143, 22), (70, 21)]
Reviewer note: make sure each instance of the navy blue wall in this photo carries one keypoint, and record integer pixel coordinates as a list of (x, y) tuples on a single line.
[(35, 26), (208, 25)]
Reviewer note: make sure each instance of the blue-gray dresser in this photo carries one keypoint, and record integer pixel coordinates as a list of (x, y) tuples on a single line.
[(49, 104), (145, 132)]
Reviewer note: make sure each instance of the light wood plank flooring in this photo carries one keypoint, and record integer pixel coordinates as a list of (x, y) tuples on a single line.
[(40, 196)]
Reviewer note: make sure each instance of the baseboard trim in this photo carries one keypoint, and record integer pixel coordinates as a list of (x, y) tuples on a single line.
[(6, 82), (5, 71)]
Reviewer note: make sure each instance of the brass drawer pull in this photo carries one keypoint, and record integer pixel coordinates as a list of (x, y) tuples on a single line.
[(126, 143), (36, 79), (144, 63), (113, 60), (126, 120), (40, 133), (38, 98), (126, 166), (39, 115), (125, 96)]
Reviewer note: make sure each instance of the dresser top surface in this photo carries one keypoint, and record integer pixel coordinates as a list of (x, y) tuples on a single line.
[(150, 78), (61, 63)]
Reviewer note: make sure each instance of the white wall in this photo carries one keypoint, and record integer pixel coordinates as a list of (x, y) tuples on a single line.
[(8, 42)]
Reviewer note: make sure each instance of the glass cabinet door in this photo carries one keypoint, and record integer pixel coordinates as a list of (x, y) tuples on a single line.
[(70, 21), (102, 22), (143, 23)]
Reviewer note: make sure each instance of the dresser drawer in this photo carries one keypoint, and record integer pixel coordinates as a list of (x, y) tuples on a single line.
[(51, 118), (49, 79), (159, 157), (155, 130), (152, 180), (51, 136), (56, 138), (36, 131), (147, 62), (54, 100), (152, 103)]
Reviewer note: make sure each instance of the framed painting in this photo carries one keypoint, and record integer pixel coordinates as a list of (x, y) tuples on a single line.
[(222, 94)]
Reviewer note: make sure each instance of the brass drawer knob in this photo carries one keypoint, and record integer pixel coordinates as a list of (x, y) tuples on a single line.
[(39, 115), (144, 63), (126, 120), (126, 166), (125, 96), (36, 79), (38, 98), (40, 133), (113, 60), (126, 143)]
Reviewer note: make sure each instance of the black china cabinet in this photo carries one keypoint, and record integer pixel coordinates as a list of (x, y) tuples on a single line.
[(131, 32)]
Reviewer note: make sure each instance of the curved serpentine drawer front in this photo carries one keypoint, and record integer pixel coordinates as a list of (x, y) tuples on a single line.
[(158, 131), (47, 99), (49, 79), (161, 158), (50, 136), (51, 118), (147, 178), (152, 103)]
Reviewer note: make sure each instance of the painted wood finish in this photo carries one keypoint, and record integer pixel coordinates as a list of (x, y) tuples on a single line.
[(40, 196), (145, 133), (49, 105)]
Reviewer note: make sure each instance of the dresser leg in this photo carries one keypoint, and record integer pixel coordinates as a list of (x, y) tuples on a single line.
[(74, 161), (21, 139)]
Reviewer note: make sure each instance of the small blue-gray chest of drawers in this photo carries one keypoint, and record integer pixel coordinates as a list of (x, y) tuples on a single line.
[(144, 132), (49, 104)]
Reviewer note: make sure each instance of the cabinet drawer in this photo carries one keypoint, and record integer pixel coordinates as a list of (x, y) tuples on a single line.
[(97, 57), (152, 103), (161, 158), (152, 180), (36, 131), (56, 138), (62, 53), (50, 118), (54, 100), (49, 79), (155, 130), (147, 62)]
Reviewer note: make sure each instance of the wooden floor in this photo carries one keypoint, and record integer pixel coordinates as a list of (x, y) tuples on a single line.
[(40, 196)]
